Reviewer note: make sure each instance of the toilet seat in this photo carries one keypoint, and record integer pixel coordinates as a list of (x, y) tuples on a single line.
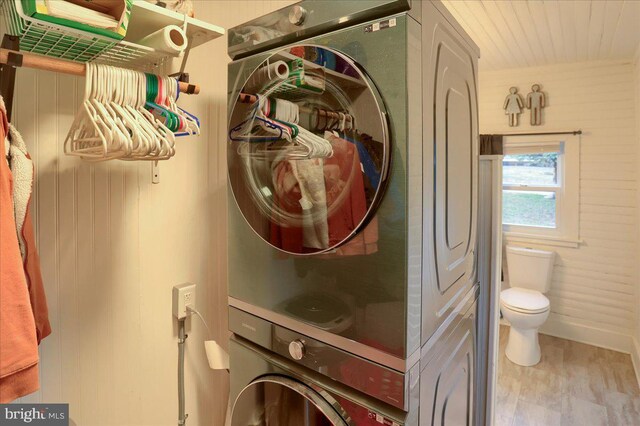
[(524, 300)]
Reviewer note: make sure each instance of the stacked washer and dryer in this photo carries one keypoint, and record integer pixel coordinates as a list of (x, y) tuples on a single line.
[(353, 281)]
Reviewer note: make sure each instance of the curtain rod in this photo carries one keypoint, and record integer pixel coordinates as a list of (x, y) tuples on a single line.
[(573, 132), (30, 60)]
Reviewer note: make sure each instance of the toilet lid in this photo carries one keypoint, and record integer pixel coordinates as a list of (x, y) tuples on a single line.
[(524, 300)]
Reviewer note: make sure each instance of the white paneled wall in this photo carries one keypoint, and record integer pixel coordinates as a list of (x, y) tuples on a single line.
[(636, 347), (540, 32), (593, 294), (112, 246)]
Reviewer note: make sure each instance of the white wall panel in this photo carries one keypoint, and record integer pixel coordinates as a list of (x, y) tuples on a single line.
[(545, 32), (112, 245), (594, 285), (635, 353)]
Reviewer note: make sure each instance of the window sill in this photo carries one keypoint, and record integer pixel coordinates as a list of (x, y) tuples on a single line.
[(545, 240)]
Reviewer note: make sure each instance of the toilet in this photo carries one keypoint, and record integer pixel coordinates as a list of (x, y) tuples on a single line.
[(523, 304)]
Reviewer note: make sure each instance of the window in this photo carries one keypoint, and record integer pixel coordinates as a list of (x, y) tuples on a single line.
[(540, 188)]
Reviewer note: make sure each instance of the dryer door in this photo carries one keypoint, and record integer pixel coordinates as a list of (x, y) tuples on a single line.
[(308, 149), (281, 401)]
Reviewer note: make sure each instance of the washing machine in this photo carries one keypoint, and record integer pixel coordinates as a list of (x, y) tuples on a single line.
[(353, 171), (269, 389)]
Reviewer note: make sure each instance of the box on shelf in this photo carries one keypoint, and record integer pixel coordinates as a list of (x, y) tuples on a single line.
[(120, 10), (305, 80)]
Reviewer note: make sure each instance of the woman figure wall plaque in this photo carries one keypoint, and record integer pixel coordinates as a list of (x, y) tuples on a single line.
[(513, 106)]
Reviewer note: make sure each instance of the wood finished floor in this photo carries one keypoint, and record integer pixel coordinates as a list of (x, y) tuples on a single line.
[(573, 385)]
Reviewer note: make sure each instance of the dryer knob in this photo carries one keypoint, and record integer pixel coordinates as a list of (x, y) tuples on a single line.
[(297, 15), (296, 349)]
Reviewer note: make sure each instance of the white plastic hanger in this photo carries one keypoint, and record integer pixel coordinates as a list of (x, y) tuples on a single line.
[(115, 133), (165, 143), (191, 125), (87, 137), (142, 139), (114, 123), (290, 112), (123, 142)]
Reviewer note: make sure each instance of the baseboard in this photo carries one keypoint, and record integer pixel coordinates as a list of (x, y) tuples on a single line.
[(635, 358), (590, 335)]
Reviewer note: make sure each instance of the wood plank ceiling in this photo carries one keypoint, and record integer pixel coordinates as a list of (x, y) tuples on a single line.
[(524, 33)]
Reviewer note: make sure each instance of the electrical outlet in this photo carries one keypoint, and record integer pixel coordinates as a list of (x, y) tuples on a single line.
[(183, 295)]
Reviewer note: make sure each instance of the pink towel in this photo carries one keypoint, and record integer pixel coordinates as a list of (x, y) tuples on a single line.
[(23, 175), (345, 198), (18, 342)]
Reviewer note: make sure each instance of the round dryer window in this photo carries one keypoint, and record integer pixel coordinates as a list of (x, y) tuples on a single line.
[(308, 150), (281, 401)]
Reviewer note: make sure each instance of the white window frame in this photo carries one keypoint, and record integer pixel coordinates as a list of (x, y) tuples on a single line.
[(566, 231)]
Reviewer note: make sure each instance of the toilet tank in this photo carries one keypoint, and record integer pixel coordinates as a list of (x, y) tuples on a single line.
[(529, 268)]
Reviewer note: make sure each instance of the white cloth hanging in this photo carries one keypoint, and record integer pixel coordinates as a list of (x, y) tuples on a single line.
[(313, 201), (22, 170)]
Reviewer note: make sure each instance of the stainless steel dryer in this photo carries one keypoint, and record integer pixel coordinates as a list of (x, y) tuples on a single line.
[(359, 264)]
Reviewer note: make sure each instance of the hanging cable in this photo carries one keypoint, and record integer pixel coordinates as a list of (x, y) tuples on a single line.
[(182, 337), (195, 311), (217, 357)]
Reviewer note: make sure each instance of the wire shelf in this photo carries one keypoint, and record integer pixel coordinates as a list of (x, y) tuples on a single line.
[(60, 42)]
